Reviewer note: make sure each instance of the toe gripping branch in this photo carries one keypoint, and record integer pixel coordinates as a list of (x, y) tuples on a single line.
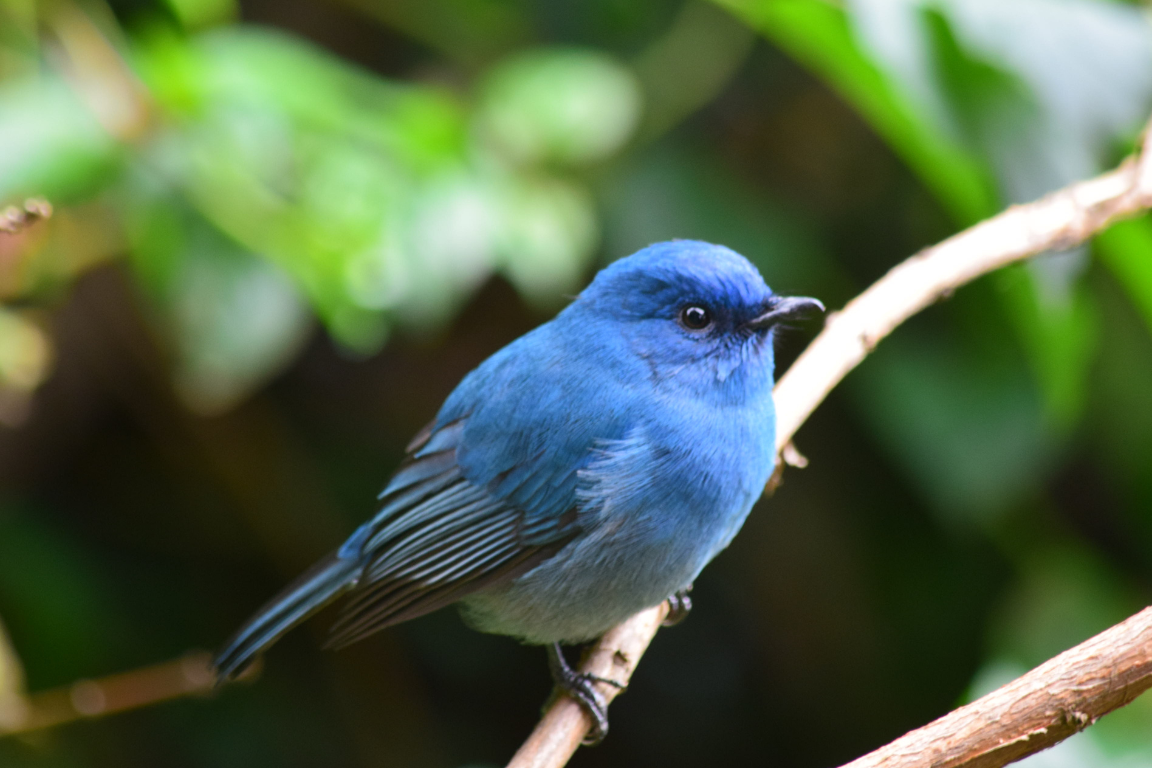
[(679, 606), (579, 685)]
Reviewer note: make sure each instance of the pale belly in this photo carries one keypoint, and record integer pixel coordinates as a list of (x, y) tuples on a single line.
[(599, 580)]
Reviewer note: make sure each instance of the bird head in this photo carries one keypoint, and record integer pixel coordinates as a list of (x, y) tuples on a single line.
[(700, 315)]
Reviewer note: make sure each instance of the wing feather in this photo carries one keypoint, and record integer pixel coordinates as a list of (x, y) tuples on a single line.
[(439, 536)]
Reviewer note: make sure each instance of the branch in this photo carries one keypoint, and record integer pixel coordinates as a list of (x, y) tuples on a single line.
[(1112, 668), (614, 657), (1060, 697), (14, 219), (191, 675), (1058, 221)]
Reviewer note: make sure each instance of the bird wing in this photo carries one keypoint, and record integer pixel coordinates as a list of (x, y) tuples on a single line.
[(438, 537), (488, 490)]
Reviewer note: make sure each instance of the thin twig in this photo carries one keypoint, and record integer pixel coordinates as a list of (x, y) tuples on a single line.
[(190, 675), (613, 658), (15, 219), (1061, 220), (1058, 221)]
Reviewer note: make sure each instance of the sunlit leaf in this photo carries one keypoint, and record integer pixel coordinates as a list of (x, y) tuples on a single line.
[(305, 161), (261, 72), (1043, 88), (998, 113), (239, 321), (1086, 64), (568, 106), (447, 249), (1040, 91), (547, 237), (53, 146), (1046, 107), (369, 195), (235, 320)]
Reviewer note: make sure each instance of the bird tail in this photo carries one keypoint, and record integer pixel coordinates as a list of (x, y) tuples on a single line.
[(317, 587)]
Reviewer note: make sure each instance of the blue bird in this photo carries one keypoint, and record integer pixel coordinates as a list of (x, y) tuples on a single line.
[(586, 471)]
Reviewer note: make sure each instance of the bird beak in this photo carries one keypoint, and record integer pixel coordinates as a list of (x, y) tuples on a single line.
[(785, 308)]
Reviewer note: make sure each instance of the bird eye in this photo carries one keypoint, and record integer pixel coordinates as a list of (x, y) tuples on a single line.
[(695, 317)]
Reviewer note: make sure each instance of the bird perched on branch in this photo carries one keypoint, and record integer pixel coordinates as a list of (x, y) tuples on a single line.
[(587, 471)]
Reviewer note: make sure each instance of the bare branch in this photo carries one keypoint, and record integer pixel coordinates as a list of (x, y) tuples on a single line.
[(15, 219), (1058, 221), (614, 657), (1060, 697), (189, 675)]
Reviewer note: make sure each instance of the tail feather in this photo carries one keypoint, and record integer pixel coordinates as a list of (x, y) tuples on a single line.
[(317, 587)]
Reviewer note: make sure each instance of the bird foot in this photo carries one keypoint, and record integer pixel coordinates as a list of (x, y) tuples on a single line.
[(579, 685), (679, 606)]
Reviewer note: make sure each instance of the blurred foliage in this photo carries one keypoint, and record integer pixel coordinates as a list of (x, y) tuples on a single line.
[(11, 684), (256, 176), (285, 228)]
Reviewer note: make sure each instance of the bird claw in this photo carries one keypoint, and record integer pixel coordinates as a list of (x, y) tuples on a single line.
[(579, 686), (679, 606)]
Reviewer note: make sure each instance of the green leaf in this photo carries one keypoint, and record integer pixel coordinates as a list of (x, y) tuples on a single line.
[(1039, 90), (239, 321), (1126, 249), (201, 13), (690, 64), (821, 36), (376, 199), (548, 234), (303, 160), (243, 69), (52, 145), (234, 320), (1060, 338), (568, 106), (997, 111)]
